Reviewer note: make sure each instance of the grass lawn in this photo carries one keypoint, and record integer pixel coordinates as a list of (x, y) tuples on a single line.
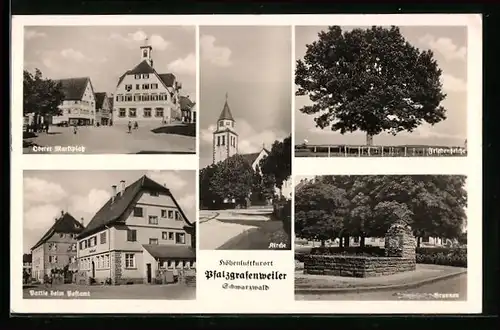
[(259, 238), (181, 129)]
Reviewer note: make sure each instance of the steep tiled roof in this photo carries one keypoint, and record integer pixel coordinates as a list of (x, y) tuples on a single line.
[(144, 67), (99, 99), (226, 113), (65, 224), (186, 103), (253, 156), (164, 251), (73, 88), (112, 212)]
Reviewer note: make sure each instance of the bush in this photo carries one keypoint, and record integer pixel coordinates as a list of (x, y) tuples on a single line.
[(368, 251), (456, 257)]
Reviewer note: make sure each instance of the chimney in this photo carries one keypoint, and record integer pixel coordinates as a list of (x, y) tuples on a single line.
[(62, 213), (82, 221), (113, 193), (122, 182)]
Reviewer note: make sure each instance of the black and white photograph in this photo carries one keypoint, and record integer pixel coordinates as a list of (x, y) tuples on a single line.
[(381, 237), (383, 91), (109, 90), (109, 234), (245, 137)]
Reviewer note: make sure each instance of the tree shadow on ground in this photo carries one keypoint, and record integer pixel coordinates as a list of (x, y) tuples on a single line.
[(181, 129), (260, 238)]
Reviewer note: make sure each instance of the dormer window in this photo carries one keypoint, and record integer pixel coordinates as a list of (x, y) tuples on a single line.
[(144, 53)]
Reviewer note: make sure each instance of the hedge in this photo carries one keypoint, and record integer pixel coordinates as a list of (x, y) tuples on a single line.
[(444, 256)]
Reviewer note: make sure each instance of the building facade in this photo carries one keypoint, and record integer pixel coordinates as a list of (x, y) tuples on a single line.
[(57, 248), (145, 96), (225, 145), (188, 109), (103, 109), (27, 264), (138, 232), (79, 104)]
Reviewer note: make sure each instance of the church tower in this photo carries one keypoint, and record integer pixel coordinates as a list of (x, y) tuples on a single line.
[(225, 138), (146, 52)]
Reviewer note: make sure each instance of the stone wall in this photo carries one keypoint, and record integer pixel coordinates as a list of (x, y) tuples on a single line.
[(400, 242), (356, 266)]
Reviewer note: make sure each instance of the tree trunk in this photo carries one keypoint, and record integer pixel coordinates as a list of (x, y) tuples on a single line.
[(322, 243), (362, 242), (369, 139), (341, 242), (347, 243), (418, 241)]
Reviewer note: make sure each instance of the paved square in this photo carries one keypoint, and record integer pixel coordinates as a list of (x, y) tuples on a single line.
[(111, 140)]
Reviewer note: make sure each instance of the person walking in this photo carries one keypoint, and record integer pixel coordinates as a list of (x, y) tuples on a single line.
[(75, 128), (136, 125), (130, 127)]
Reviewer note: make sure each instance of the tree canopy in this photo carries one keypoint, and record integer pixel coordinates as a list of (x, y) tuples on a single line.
[(433, 205), (41, 96), (278, 164), (372, 80)]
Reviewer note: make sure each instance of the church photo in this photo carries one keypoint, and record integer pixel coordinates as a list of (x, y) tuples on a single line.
[(245, 138)]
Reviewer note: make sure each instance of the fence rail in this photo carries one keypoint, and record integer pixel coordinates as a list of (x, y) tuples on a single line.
[(377, 151)]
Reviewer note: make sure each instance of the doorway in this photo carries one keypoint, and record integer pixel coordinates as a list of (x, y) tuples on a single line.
[(148, 272), (93, 269)]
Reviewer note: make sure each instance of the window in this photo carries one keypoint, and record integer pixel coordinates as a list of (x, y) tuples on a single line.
[(138, 212), (53, 246), (147, 112), (170, 214), (72, 259), (106, 260), (128, 97), (137, 97), (137, 86), (218, 140), (137, 76), (170, 264), (163, 213), (132, 112), (223, 140), (163, 97), (153, 193), (159, 112), (122, 112), (145, 86), (153, 241), (61, 235), (154, 97), (129, 260), (145, 97), (53, 259), (119, 97), (180, 238), (171, 236), (177, 216), (164, 235), (153, 220), (145, 76), (128, 87), (131, 235), (154, 86), (99, 262), (144, 53), (103, 238), (81, 245), (221, 123)]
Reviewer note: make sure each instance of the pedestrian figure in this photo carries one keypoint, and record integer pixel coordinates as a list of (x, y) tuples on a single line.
[(47, 128), (75, 128), (136, 125), (130, 127)]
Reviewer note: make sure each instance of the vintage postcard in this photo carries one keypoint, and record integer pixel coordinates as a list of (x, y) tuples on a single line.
[(233, 164)]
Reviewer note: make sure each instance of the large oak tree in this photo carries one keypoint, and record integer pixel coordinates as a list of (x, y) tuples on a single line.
[(372, 80), (278, 164)]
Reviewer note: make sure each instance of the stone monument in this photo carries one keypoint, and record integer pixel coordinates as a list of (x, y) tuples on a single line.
[(399, 241)]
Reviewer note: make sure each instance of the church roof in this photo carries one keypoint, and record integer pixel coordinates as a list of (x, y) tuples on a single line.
[(73, 88), (226, 113), (113, 210), (167, 78), (252, 157), (66, 224)]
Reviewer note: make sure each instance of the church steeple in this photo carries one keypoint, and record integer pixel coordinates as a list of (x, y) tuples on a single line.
[(146, 50), (226, 112)]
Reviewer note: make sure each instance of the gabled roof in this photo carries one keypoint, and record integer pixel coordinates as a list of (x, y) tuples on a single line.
[(99, 99), (66, 224), (252, 157), (73, 88), (112, 212), (186, 103), (168, 79), (164, 251), (226, 113)]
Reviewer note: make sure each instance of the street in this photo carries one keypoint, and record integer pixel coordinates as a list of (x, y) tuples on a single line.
[(113, 139), (135, 291), (444, 289)]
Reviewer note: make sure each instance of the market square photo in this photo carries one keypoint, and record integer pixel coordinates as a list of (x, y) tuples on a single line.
[(381, 91), (245, 137), (109, 234), (109, 89)]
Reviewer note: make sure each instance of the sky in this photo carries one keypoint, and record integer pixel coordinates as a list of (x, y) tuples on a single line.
[(104, 53), (449, 45), (252, 64), (83, 193)]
